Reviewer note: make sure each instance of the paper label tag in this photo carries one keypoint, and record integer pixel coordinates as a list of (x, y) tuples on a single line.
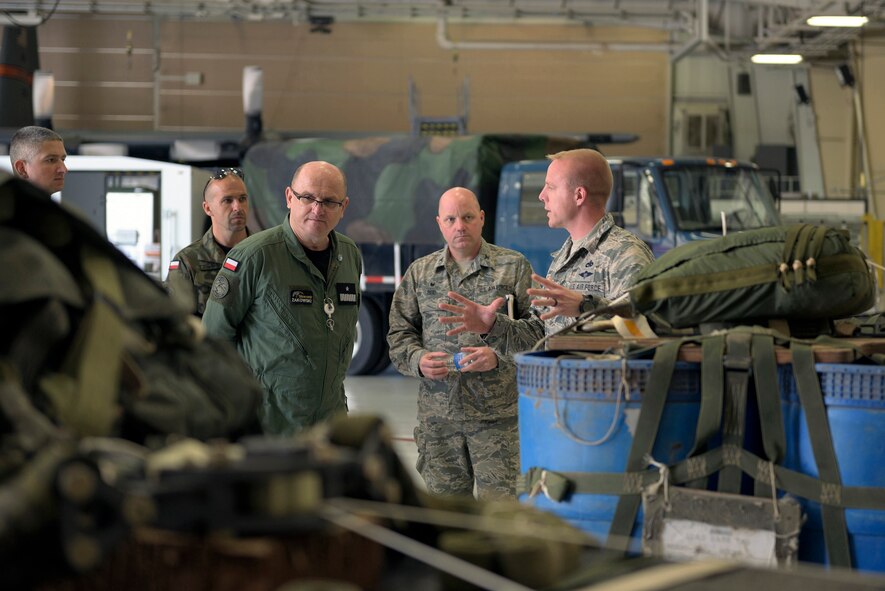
[(684, 539)]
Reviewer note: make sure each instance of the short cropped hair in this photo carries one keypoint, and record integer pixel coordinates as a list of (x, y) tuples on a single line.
[(27, 141)]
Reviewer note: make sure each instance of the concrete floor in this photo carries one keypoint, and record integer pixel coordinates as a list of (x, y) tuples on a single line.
[(394, 397)]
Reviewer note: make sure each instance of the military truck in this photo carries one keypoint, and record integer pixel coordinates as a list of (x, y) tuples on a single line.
[(394, 184)]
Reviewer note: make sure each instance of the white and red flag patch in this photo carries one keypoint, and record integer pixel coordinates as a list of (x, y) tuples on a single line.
[(230, 264), (173, 265)]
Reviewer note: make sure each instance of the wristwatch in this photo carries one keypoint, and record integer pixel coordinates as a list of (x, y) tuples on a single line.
[(588, 304)]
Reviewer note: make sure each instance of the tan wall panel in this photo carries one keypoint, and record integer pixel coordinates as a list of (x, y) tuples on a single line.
[(105, 32), (872, 85), (104, 101), (367, 40), (835, 122), (90, 68), (356, 78)]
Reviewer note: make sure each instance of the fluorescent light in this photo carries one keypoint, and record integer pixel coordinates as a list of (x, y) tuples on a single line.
[(837, 21), (776, 58)]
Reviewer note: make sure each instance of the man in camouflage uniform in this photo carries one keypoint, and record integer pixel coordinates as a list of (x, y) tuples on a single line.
[(194, 268), (467, 427), (597, 263)]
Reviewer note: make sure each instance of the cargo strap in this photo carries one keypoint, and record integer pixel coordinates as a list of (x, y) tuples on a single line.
[(84, 395), (808, 387), (560, 486), (738, 364), (710, 414), (644, 439), (774, 439)]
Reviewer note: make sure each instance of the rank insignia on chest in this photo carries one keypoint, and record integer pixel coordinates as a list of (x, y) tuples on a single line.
[(347, 294), (230, 264), (300, 296)]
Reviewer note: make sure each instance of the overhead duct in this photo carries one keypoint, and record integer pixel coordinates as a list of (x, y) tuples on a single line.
[(443, 40), (702, 36)]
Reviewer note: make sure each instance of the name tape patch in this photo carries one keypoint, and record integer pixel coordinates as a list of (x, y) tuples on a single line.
[(300, 296)]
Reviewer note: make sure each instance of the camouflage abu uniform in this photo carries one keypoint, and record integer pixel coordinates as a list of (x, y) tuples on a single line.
[(604, 264), (193, 270), (482, 404)]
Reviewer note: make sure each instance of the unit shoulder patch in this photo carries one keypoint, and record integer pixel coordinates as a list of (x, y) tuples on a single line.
[(220, 287)]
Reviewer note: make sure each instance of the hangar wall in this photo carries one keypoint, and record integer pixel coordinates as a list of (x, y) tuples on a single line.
[(117, 74)]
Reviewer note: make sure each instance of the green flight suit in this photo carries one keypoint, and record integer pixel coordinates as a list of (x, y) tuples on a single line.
[(268, 299), (193, 270)]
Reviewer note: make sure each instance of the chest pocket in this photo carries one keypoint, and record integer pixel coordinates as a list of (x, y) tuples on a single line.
[(429, 297), (484, 290), (209, 266)]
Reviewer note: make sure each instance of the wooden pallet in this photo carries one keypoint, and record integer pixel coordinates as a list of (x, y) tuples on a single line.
[(155, 560), (692, 352)]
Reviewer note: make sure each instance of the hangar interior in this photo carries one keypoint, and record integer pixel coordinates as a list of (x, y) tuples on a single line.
[(193, 83)]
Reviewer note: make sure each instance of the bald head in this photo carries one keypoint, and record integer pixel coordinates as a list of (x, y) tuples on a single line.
[(320, 169), (458, 195), (589, 169), (461, 220), (316, 200)]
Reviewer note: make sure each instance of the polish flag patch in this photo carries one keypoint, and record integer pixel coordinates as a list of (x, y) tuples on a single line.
[(230, 264), (173, 265)]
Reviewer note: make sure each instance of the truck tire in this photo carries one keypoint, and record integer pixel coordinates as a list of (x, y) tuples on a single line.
[(370, 348)]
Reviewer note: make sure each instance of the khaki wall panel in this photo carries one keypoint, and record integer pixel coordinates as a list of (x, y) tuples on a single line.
[(88, 67), (356, 78), (105, 32), (104, 101)]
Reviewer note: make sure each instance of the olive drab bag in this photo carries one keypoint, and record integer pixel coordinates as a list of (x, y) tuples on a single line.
[(799, 271), (97, 345)]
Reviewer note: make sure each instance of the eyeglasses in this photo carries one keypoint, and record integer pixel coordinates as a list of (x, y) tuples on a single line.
[(308, 200), (222, 173)]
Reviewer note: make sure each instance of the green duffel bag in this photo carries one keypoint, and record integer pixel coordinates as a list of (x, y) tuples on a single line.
[(799, 272)]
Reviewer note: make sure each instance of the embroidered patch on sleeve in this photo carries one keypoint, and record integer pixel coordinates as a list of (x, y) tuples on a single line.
[(230, 264), (173, 266), (220, 287)]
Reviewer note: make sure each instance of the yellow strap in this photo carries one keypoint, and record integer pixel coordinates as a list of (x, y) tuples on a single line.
[(666, 576)]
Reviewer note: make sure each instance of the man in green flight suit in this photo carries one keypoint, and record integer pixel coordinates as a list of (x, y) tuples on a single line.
[(288, 298), (194, 268)]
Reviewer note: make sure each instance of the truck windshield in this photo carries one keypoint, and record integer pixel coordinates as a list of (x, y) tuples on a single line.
[(701, 194)]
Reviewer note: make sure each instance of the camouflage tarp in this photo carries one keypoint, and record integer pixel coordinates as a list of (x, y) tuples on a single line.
[(394, 182)]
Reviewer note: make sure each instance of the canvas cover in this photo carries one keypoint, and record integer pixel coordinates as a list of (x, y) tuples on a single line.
[(797, 272), (394, 182)]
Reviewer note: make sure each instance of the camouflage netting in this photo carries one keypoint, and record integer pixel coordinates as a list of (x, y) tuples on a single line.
[(394, 182)]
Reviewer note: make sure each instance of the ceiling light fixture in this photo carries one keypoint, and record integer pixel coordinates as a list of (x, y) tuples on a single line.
[(837, 21), (776, 58)]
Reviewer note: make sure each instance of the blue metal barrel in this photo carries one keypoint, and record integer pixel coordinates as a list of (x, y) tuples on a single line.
[(572, 418), (855, 399)]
